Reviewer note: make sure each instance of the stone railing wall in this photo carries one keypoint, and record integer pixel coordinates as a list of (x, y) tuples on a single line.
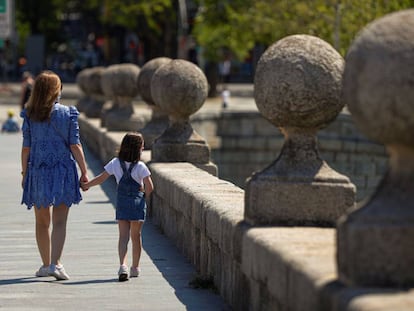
[(254, 268), (203, 215), (294, 239), (243, 142)]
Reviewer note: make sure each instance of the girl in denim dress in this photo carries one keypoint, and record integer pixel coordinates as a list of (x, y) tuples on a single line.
[(134, 183)]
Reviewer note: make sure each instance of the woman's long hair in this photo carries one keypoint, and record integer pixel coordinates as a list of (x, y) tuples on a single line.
[(131, 147), (46, 89)]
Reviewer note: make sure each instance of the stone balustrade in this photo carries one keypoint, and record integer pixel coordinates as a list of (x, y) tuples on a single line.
[(365, 264)]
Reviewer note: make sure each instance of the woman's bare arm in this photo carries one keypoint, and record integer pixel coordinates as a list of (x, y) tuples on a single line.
[(25, 160), (79, 156)]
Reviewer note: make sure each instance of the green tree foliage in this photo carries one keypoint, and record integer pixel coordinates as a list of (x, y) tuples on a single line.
[(44, 16), (154, 21), (127, 13), (237, 25), (38, 16)]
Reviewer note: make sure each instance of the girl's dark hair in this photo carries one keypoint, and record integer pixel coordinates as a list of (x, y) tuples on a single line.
[(131, 147), (46, 90)]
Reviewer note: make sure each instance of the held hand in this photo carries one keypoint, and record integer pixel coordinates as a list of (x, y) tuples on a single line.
[(84, 178), (83, 186), (82, 181)]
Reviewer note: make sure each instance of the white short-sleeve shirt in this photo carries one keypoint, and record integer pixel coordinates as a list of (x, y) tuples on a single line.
[(139, 172)]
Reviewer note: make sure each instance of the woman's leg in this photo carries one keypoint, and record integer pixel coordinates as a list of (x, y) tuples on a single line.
[(59, 220), (136, 237), (124, 227), (42, 216)]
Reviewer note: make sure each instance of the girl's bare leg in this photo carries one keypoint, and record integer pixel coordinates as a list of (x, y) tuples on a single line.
[(42, 216), (136, 237), (124, 227), (59, 219)]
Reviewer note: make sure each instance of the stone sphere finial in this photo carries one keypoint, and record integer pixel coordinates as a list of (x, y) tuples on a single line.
[(82, 83), (94, 80), (298, 82), (89, 81), (145, 77), (379, 79), (106, 84), (180, 89), (81, 79), (120, 80), (94, 109), (297, 87), (375, 242), (159, 118), (119, 84)]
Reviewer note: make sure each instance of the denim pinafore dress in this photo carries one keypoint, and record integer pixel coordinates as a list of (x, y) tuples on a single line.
[(130, 203)]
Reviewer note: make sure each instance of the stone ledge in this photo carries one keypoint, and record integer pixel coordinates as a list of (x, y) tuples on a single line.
[(292, 267)]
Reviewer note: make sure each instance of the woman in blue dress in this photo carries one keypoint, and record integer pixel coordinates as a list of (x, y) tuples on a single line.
[(51, 148)]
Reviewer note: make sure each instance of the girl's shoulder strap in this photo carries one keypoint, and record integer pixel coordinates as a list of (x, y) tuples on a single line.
[(123, 166), (131, 167)]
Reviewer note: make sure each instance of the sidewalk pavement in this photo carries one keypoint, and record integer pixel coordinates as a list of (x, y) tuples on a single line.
[(90, 254)]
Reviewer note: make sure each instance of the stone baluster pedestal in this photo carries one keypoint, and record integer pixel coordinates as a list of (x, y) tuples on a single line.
[(89, 82), (96, 95), (119, 84), (81, 81), (180, 89), (298, 89)]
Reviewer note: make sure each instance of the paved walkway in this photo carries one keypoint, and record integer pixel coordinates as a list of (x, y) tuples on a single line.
[(90, 254)]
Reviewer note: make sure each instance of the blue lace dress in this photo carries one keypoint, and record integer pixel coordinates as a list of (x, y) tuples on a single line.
[(51, 177)]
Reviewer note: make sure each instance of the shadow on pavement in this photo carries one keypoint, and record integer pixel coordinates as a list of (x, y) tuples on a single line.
[(22, 280)]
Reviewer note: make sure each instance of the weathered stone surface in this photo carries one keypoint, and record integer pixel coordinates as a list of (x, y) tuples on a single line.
[(378, 81), (298, 89), (281, 200), (119, 84), (81, 81), (120, 80), (375, 242), (159, 120), (298, 82), (116, 121), (180, 89), (94, 90), (145, 76), (94, 81)]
